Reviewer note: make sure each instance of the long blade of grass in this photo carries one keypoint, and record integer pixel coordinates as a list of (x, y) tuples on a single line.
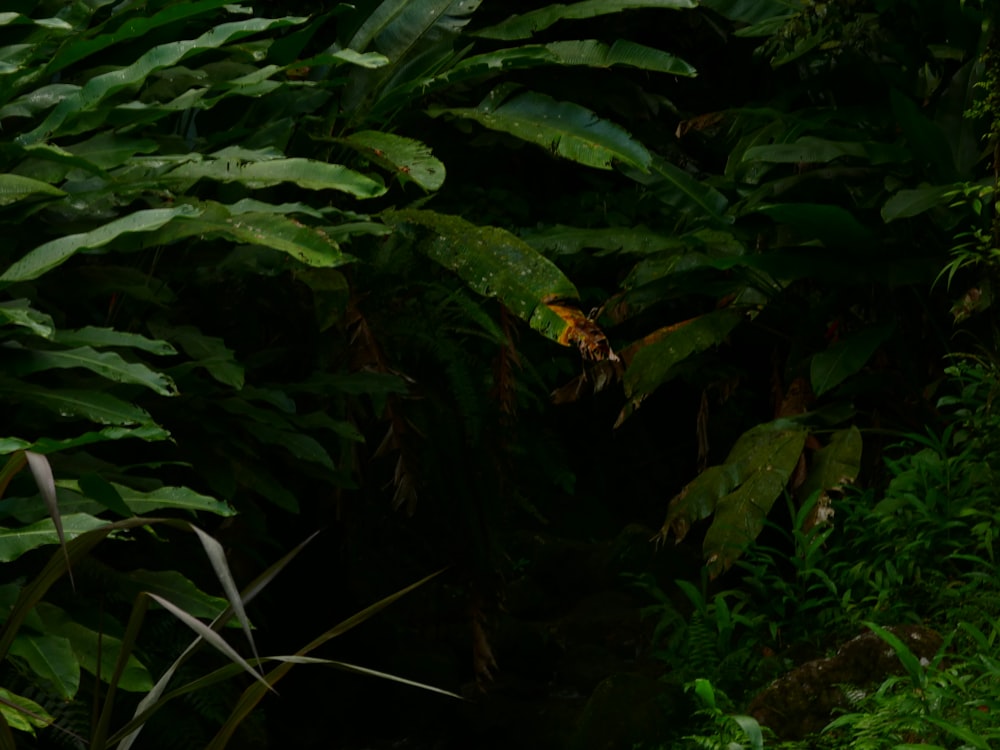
[(209, 635), (217, 556), (41, 470), (255, 692), (155, 698)]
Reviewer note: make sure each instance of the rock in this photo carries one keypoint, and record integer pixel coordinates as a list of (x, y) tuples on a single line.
[(805, 700)]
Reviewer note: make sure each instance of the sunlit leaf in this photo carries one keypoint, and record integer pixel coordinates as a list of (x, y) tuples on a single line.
[(15, 188), (15, 542)]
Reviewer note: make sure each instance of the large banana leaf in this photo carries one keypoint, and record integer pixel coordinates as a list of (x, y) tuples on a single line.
[(527, 24), (740, 492), (495, 263), (402, 30), (566, 129)]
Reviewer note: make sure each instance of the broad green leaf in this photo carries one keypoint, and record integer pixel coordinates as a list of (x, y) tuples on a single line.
[(172, 498), (677, 188), (495, 263), (14, 188), (37, 100), (208, 352), (97, 488), (929, 144), (298, 444), (565, 240), (15, 542), (19, 312), (836, 464), (22, 714), (831, 367), (832, 225), (92, 648), (51, 254), (312, 246), (93, 405), (564, 128), (595, 54), (765, 458), (107, 150), (698, 499), (106, 364), (408, 158), (752, 11), (101, 337), (812, 150), (50, 657), (396, 26), (661, 351), (100, 87), (527, 24), (174, 587), (306, 173), (907, 203), (149, 432)]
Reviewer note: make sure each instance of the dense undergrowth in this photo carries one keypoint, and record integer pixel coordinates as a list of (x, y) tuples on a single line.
[(406, 273)]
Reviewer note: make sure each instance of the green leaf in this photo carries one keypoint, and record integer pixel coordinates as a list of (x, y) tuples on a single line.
[(306, 173), (836, 464), (764, 458), (92, 648), (30, 717), (527, 24), (51, 254), (595, 54), (149, 432), (102, 337), (812, 150), (51, 658), (106, 364), (653, 363), (174, 587), (97, 407), (97, 488), (107, 150), (698, 499), (832, 225), (208, 352), (677, 188), (564, 128), (929, 144), (831, 367), (907, 658), (102, 86), (908, 203), (406, 157), (495, 263), (14, 188), (15, 542), (175, 498), (19, 312), (564, 240)]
